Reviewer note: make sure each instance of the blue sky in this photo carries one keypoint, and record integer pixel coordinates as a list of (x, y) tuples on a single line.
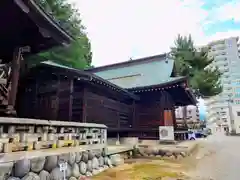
[(202, 109), (123, 29)]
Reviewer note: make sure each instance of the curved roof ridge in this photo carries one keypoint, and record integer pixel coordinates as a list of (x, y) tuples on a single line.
[(134, 61)]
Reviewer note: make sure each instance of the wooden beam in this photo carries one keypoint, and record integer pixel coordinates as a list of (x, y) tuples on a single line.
[(84, 114), (134, 114), (15, 76), (70, 100)]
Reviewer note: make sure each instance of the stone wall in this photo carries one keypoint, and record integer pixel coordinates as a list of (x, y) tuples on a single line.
[(19, 134), (168, 152), (79, 164)]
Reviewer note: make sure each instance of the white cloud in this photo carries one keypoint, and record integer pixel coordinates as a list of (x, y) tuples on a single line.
[(223, 35), (229, 11), (120, 29)]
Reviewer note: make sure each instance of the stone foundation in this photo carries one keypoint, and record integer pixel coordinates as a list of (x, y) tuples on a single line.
[(159, 152), (149, 142), (132, 141), (112, 141), (79, 164)]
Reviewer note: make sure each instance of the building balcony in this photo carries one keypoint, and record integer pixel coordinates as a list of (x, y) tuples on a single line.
[(225, 69), (227, 82), (222, 59), (216, 43)]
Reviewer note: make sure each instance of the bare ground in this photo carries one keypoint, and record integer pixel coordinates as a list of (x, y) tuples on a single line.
[(153, 169)]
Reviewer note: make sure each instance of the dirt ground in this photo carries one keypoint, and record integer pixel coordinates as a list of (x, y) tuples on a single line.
[(151, 169), (143, 170)]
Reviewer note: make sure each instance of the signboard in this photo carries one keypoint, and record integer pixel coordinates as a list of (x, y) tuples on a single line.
[(166, 133), (63, 168)]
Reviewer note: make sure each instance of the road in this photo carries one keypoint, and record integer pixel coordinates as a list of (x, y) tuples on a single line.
[(220, 158)]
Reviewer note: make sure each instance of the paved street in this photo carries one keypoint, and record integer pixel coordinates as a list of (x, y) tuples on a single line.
[(224, 161)]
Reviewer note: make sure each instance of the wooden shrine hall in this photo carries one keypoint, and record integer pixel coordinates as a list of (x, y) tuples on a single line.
[(26, 30), (132, 98)]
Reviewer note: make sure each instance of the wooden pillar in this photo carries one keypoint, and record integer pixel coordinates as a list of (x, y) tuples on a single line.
[(14, 77), (174, 117), (70, 99), (36, 99), (184, 111), (118, 120), (55, 100), (84, 114), (16, 65), (134, 114)]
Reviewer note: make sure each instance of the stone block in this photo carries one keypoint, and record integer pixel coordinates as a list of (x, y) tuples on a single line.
[(37, 164), (5, 169), (21, 168), (44, 175), (132, 141), (50, 163), (31, 176)]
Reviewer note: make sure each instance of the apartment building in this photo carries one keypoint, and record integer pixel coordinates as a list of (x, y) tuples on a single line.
[(226, 57), (212, 114), (192, 115)]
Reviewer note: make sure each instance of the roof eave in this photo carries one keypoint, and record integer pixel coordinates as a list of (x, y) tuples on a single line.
[(92, 76), (43, 20), (184, 78), (192, 97), (135, 97)]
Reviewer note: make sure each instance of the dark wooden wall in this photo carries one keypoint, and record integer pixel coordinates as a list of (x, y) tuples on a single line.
[(58, 97), (151, 113), (102, 109)]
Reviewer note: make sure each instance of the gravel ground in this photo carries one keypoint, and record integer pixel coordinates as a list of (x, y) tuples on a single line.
[(219, 158)]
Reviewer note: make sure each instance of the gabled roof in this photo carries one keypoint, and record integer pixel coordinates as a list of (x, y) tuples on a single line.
[(147, 71), (175, 86), (87, 76), (28, 25), (139, 81), (128, 63), (145, 74), (163, 83)]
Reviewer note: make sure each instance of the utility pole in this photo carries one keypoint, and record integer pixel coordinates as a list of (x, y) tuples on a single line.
[(233, 131)]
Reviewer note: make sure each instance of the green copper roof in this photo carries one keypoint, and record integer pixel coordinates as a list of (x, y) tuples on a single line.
[(140, 75), (56, 64), (142, 82), (53, 64)]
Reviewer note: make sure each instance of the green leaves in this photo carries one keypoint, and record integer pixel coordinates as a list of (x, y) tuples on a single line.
[(78, 54), (194, 64)]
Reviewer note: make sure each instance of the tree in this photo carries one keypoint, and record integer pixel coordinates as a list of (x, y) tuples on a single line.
[(78, 54), (196, 65)]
